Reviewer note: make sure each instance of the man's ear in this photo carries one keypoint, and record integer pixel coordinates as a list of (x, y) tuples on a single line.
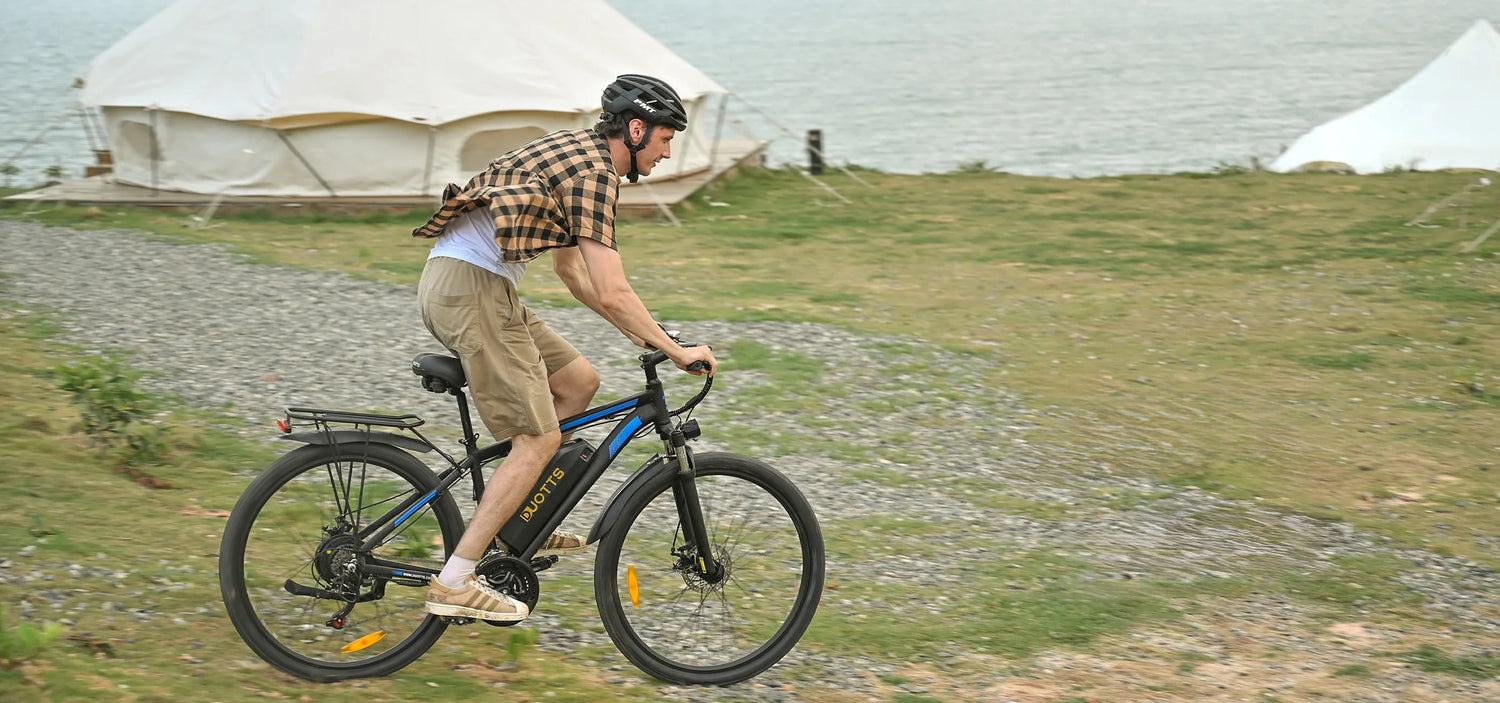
[(637, 130)]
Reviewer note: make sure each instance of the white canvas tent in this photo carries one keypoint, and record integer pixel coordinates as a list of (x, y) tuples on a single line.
[(358, 98), (1446, 116)]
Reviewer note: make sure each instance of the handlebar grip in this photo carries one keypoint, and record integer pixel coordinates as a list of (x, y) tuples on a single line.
[(697, 366)]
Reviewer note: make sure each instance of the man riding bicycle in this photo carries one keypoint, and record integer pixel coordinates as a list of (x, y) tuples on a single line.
[(556, 194)]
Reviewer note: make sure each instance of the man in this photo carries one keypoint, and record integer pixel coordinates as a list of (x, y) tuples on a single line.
[(555, 194)]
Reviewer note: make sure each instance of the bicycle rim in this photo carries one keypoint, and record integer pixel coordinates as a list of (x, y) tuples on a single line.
[(302, 529), (677, 626)]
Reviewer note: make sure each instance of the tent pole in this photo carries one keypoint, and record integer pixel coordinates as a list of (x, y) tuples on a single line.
[(305, 164), (155, 152), (427, 170), (713, 147)]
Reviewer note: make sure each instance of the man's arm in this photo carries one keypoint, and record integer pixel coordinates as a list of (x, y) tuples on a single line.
[(568, 263), (618, 303)]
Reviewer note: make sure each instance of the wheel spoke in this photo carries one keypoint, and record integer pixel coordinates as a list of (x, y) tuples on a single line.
[(301, 526), (702, 632)]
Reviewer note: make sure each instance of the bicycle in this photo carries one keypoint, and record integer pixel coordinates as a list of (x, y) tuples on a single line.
[(326, 557)]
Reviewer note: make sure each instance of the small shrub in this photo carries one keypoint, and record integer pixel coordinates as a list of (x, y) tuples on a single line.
[(976, 166), (520, 640), (104, 389), (23, 642), (146, 444), (1225, 168), (1352, 360)]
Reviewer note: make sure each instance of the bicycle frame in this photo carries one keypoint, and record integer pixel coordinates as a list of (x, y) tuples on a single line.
[(646, 410)]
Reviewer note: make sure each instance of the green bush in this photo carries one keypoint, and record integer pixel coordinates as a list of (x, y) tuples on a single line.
[(976, 166), (114, 412), (521, 639), (23, 641)]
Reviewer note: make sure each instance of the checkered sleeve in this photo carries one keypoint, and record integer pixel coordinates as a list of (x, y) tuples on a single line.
[(588, 201)]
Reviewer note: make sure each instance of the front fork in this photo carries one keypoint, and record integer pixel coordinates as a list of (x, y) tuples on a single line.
[(690, 513)]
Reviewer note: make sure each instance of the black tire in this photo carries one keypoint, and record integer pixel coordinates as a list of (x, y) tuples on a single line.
[(685, 630), (274, 535)]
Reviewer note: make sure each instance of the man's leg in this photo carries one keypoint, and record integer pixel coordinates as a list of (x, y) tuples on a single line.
[(477, 314), (455, 591), (573, 387), (507, 488)]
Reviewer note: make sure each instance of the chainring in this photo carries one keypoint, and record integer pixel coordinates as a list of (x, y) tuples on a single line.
[(511, 576)]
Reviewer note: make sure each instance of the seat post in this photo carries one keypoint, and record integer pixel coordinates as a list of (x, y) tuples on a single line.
[(470, 440)]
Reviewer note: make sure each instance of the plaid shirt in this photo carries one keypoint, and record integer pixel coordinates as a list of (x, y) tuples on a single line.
[(541, 196)]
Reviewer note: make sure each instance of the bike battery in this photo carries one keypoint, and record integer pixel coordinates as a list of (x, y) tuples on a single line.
[(558, 477)]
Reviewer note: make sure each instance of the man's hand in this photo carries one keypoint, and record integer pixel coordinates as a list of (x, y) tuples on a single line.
[(685, 356)]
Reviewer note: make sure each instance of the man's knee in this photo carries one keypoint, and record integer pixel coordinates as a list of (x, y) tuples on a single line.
[(589, 384), (576, 380), (544, 445)]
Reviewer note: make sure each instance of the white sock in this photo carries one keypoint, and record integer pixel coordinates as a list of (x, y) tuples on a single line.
[(456, 571)]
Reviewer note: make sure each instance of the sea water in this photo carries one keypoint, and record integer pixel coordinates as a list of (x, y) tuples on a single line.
[(1042, 87)]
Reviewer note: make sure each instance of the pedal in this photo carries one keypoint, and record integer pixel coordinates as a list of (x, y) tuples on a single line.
[(455, 620), (542, 563)]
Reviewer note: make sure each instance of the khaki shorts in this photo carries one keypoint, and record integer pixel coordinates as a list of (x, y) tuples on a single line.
[(507, 352)]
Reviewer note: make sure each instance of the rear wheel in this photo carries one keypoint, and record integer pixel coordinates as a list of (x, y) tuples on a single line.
[(290, 561), (678, 626)]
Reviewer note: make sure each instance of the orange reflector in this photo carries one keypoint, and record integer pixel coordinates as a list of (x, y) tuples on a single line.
[(363, 642), (283, 425), (635, 586)]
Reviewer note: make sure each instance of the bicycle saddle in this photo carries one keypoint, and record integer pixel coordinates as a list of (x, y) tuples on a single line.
[(440, 373)]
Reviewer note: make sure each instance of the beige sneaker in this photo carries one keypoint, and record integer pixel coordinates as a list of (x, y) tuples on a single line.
[(561, 544), (475, 600)]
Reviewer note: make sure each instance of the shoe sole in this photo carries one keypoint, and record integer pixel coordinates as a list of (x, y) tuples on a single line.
[(562, 552), (458, 611)]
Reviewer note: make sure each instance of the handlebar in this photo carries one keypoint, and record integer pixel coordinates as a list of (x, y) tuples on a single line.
[(650, 360)]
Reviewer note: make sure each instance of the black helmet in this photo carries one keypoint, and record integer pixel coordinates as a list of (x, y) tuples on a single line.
[(650, 99)]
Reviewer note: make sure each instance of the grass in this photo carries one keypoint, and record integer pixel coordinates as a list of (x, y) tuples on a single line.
[(134, 548), (1281, 339), (1431, 658)]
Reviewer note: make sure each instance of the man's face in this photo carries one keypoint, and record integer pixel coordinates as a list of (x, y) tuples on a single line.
[(660, 146)]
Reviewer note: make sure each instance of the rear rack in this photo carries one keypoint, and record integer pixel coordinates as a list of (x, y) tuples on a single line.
[(323, 417)]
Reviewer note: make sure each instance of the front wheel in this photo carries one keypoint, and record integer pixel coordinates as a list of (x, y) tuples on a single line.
[(291, 565), (680, 627)]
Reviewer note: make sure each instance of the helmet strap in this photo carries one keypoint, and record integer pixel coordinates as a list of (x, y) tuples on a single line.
[(635, 150)]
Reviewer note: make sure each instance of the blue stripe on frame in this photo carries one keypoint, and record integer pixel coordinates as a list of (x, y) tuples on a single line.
[(624, 436), (415, 508), (590, 418)]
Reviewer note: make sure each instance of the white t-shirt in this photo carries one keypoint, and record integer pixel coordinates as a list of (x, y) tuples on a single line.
[(471, 237)]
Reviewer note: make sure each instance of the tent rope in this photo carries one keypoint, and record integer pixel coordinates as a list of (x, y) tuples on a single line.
[(1418, 221), (793, 135), (1471, 246), (35, 140), (661, 205)]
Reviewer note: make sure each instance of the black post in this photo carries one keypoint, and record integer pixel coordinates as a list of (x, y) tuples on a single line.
[(815, 151)]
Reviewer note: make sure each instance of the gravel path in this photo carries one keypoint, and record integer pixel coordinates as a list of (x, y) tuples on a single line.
[(223, 333)]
